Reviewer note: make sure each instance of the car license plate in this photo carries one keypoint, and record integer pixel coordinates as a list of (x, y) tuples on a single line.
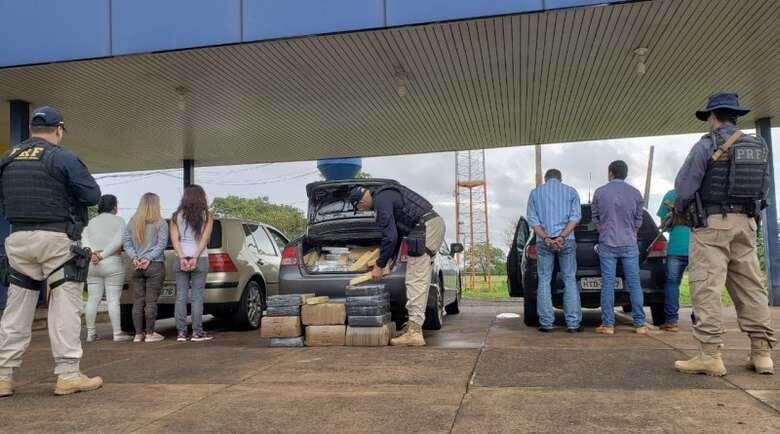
[(168, 292), (595, 283)]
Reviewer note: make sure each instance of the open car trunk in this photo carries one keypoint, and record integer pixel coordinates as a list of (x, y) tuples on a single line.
[(331, 218), (587, 237)]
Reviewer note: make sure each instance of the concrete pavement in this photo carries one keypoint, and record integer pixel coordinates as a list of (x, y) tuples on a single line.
[(478, 374)]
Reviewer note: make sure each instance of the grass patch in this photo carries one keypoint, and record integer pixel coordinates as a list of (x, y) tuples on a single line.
[(481, 291), (500, 291)]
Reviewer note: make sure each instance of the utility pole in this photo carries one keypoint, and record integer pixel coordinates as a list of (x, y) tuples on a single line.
[(649, 176), (538, 150)]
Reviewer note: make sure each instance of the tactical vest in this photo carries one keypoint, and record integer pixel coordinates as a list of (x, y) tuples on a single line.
[(413, 209), (32, 192), (739, 176)]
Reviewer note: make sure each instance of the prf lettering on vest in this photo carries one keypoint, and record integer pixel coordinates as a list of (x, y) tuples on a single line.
[(750, 155), (34, 153)]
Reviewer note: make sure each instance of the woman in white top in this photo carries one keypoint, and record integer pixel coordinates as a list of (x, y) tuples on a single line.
[(107, 272), (190, 231)]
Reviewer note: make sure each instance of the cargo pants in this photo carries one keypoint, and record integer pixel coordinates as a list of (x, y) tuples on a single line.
[(36, 254), (723, 254), (418, 272)]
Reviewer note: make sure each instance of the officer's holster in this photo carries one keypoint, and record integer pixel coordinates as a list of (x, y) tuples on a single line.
[(75, 269), (9, 276)]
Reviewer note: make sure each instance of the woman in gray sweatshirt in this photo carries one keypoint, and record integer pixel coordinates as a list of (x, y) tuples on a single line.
[(144, 241)]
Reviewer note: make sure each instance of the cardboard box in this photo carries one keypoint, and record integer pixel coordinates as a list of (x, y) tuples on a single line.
[(281, 327), (325, 335), (370, 336), (324, 314)]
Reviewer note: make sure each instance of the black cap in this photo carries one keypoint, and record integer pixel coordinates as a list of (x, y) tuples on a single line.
[(355, 195), (47, 117)]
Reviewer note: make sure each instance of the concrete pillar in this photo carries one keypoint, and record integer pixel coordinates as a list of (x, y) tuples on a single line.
[(769, 220), (188, 167)]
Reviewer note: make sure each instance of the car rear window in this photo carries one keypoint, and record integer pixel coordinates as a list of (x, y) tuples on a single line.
[(648, 229), (215, 242)]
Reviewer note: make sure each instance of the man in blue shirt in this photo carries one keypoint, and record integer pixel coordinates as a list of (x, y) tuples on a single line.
[(618, 211), (553, 213), (676, 260)]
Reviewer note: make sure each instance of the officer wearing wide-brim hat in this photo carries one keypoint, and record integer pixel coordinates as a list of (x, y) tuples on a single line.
[(726, 172), (44, 192)]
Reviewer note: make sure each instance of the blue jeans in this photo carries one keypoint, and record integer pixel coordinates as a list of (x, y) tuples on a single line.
[(629, 258), (545, 262), (186, 280), (675, 267)]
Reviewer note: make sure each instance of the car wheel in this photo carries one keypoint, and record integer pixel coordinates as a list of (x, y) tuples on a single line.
[(454, 307), (126, 318), (434, 316), (659, 315), (530, 315), (250, 307)]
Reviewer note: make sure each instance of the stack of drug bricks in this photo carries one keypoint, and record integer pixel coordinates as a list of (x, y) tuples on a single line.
[(282, 320), (368, 316), (324, 322)]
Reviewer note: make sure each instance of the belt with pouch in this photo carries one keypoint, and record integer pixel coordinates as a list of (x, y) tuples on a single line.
[(729, 209)]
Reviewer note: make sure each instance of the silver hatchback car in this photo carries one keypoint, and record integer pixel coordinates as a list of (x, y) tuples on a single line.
[(244, 259)]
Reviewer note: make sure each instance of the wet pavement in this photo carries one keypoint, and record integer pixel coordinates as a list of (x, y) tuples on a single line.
[(479, 373)]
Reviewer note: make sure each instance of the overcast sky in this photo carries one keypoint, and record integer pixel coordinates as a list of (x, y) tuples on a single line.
[(510, 177)]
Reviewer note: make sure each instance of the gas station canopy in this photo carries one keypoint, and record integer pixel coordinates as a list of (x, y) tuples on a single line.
[(147, 84)]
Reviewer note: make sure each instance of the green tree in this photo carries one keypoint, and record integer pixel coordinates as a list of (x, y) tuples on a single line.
[(290, 220), (492, 261)]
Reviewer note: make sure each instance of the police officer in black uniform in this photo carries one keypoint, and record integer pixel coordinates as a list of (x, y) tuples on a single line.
[(724, 184), (401, 212), (44, 193)]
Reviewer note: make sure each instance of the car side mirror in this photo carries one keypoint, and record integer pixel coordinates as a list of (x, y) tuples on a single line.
[(456, 248)]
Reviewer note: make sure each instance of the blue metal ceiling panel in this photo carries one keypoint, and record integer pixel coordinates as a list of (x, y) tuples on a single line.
[(271, 19), (402, 12), (559, 4), (42, 31), (140, 26)]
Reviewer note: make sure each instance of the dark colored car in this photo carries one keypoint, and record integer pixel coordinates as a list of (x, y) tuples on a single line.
[(312, 264), (523, 278)]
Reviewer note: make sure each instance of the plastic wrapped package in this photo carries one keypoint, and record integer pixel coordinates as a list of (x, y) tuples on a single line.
[(369, 321), (283, 310), (287, 342)]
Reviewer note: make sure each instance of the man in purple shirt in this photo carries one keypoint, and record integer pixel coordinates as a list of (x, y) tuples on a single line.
[(617, 211)]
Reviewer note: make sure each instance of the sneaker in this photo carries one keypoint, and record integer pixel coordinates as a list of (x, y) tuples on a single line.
[(605, 330), (545, 329), (82, 383), (576, 330), (670, 327), (154, 337), (200, 337), (92, 336), (644, 329), (122, 337), (139, 337), (181, 337)]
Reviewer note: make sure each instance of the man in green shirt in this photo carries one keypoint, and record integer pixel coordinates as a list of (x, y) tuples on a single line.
[(676, 262)]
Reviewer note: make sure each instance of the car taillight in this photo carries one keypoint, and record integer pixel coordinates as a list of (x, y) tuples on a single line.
[(290, 255), (657, 249), (530, 251), (403, 254), (221, 263)]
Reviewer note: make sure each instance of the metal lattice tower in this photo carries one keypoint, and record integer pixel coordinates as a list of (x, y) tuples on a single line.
[(471, 210)]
